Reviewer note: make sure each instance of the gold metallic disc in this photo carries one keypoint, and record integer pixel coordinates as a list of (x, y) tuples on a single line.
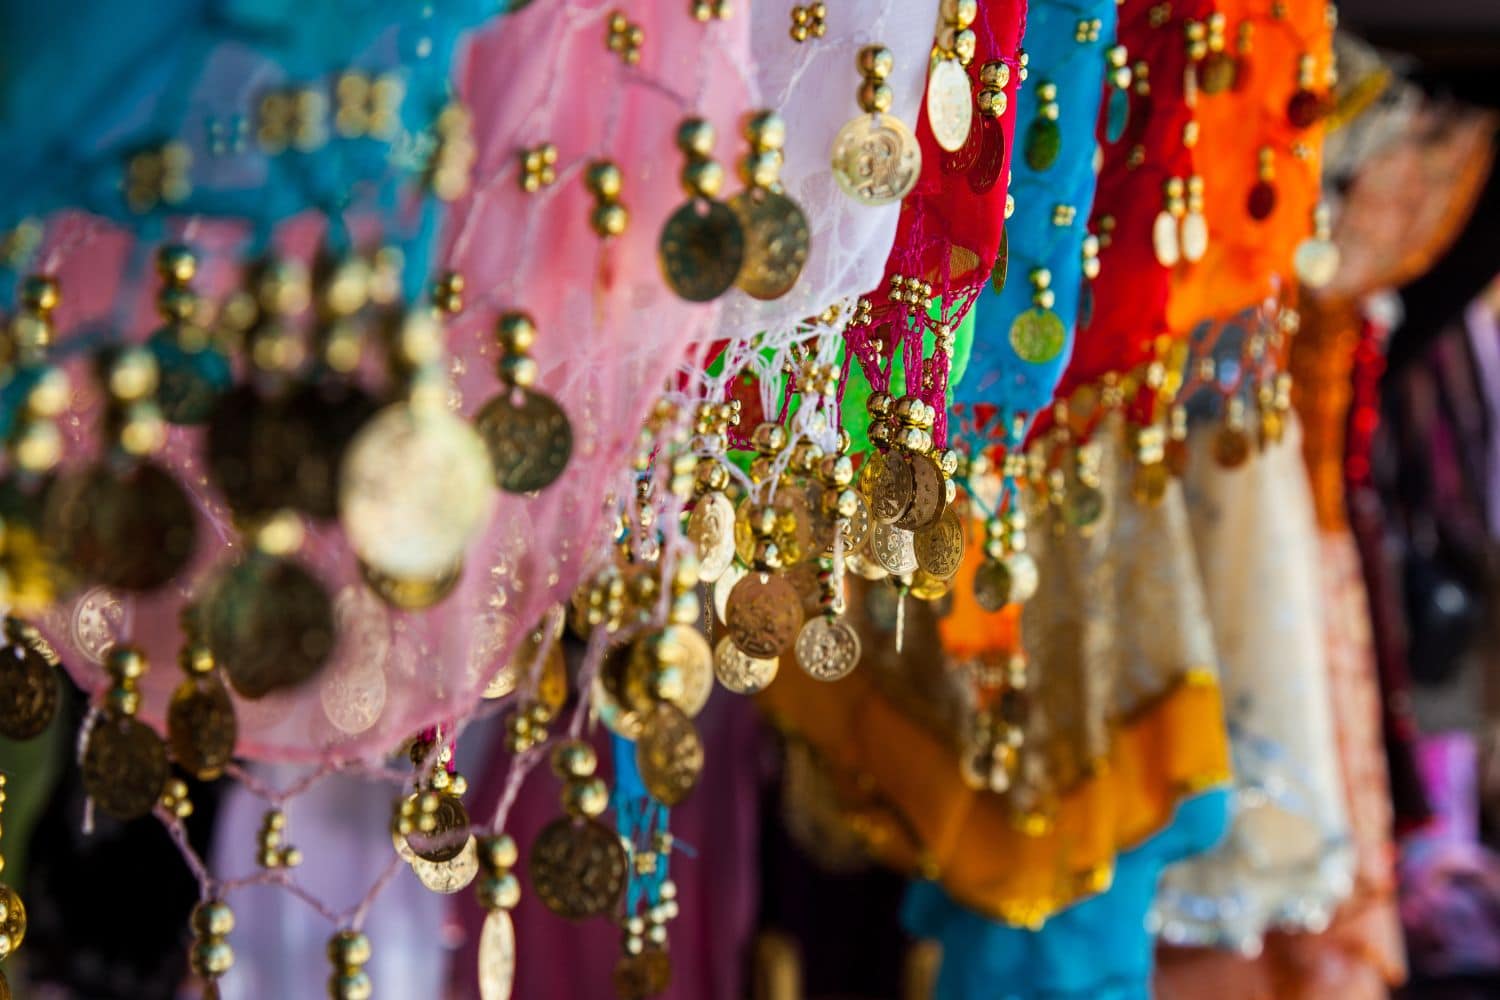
[(529, 438), (710, 527), (702, 249), (893, 548), (269, 623), (442, 842), (827, 650), (739, 671), (669, 754), (13, 922), (950, 104), (133, 531), (939, 548), (892, 487), (28, 690), (497, 956), (577, 868), (448, 877), (929, 494), (763, 615), (201, 728), (410, 593), (876, 159), (124, 767), (776, 242)]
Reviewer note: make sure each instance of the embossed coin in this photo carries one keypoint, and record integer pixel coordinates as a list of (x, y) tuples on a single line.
[(669, 754), (577, 868), (448, 877), (28, 691), (13, 920), (928, 495), (939, 548), (443, 842), (646, 974), (998, 582), (892, 488), (201, 728), (415, 489), (133, 531), (710, 527), (893, 548), (876, 159), (739, 671), (529, 438), (827, 650), (794, 526), (856, 527), (776, 242), (352, 694), (950, 104), (764, 614), (1037, 335), (270, 624), (679, 653), (701, 250), (497, 956), (124, 767)]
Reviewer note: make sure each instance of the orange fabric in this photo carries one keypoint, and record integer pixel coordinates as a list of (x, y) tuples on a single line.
[(918, 815), (968, 630), (1246, 256)]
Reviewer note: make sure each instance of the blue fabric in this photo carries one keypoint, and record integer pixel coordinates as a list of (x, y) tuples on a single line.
[(85, 85), (997, 376), (1099, 949)]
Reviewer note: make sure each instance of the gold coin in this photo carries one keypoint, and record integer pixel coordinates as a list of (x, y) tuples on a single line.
[(497, 956), (701, 250), (856, 526), (645, 974), (411, 593), (1083, 506), (724, 586), (415, 488), (669, 754), (763, 615), (940, 548), (442, 842), (893, 548), (950, 104), (201, 729), (674, 663), (928, 495), (710, 527), (893, 487), (739, 671), (794, 526), (352, 694), (529, 438), (608, 698), (577, 868), (269, 623), (998, 582), (804, 580), (776, 242), (927, 587), (124, 767), (28, 687), (448, 877), (12, 918), (133, 531), (827, 650), (876, 159)]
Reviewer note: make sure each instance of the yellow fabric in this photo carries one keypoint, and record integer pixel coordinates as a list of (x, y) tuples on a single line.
[(902, 785)]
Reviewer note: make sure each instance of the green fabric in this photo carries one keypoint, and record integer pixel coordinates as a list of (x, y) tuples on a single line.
[(31, 771)]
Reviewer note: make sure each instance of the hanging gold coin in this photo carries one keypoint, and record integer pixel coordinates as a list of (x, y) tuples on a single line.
[(950, 104), (710, 527), (893, 548), (497, 956), (998, 582), (794, 526), (669, 754), (608, 699), (1083, 506), (724, 586), (927, 587), (96, 521), (763, 615), (702, 249), (124, 767), (776, 242), (928, 495), (269, 624), (1037, 335), (739, 671), (416, 487), (577, 868), (893, 487), (442, 842), (201, 729), (674, 663), (448, 877), (876, 159), (529, 439), (12, 918), (827, 650), (939, 548), (28, 683), (410, 593)]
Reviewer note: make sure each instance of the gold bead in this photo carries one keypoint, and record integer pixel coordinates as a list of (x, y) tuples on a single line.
[(876, 62), (574, 759), (498, 853), (498, 892), (212, 957), (695, 137), (765, 130), (212, 918), (609, 219), (702, 178), (588, 797), (348, 949), (875, 96), (604, 179), (125, 663)]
